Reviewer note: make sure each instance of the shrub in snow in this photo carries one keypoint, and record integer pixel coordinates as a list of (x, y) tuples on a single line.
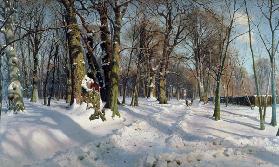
[(91, 95)]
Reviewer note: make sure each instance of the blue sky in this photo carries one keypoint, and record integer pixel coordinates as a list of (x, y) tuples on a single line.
[(242, 43)]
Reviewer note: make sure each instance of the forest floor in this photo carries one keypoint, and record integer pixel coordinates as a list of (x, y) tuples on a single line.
[(148, 135)]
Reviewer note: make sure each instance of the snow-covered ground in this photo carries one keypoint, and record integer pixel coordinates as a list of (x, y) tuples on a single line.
[(148, 135)]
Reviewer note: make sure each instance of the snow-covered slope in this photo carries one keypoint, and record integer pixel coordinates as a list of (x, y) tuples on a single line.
[(148, 135)]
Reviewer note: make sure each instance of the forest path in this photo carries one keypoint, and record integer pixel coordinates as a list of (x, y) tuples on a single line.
[(147, 135), (41, 131)]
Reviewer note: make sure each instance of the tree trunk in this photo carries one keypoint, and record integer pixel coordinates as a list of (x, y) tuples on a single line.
[(177, 93), (47, 76), (126, 78), (1, 86), (51, 93), (14, 90), (106, 49), (266, 97), (115, 80), (227, 95), (134, 101), (162, 80), (124, 88), (34, 96), (58, 85), (217, 99), (200, 84), (24, 71), (75, 52), (262, 127), (67, 66), (69, 87), (207, 89), (55, 66), (273, 89), (151, 85), (114, 76), (163, 69), (162, 91)]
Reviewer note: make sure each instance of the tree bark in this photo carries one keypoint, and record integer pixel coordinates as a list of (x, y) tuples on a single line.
[(35, 79), (47, 76), (115, 62), (55, 66), (135, 93), (1, 86), (273, 89), (75, 52), (162, 84), (217, 99), (262, 127), (106, 47), (15, 89), (162, 75), (151, 85), (126, 78)]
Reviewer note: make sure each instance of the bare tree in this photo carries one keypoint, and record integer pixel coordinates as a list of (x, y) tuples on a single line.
[(34, 19), (269, 10), (202, 37), (225, 39), (173, 19), (262, 127)]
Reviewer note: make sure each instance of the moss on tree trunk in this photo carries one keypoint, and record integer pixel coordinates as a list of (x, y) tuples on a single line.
[(75, 51), (115, 80), (114, 75)]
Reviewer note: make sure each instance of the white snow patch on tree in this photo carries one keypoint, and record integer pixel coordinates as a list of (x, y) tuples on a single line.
[(106, 64), (13, 86), (85, 83)]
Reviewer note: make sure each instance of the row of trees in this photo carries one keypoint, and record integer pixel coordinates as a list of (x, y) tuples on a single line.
[(159, 48)]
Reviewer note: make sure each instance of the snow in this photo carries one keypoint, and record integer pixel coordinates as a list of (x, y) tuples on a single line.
[(102, 42), (90, 34), (13, 85), (152, 85), (155, 68), (106, 64), (149, 135), (84, 83)]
